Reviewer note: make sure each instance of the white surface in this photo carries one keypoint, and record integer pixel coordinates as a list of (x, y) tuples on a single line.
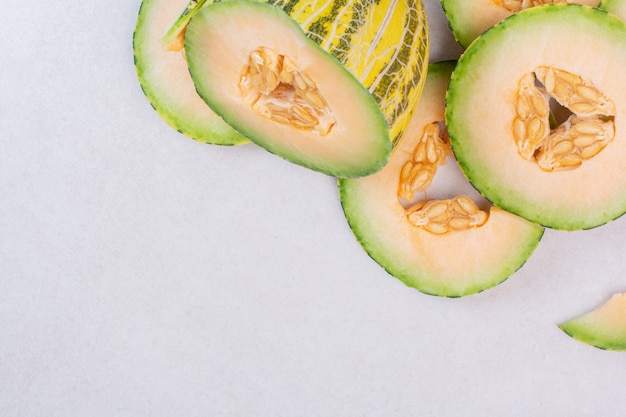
[(145, 274)]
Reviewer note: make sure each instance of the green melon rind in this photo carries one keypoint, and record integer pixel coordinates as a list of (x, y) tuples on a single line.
[(207, 127), (617, 7), (481, 176), (587, 329), (587, 333), (210, 14), (363, 223), (181, 23), (353, 201), (465, 29), (456, 20)]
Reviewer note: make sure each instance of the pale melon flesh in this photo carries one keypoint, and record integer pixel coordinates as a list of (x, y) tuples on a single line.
[(454, 264), (468, 19), (218, 43), (164, 76), (617, 7), (603, 327), (481, 111)]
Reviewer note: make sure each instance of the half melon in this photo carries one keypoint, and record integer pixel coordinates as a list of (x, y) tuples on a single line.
[(164, 77), (470, 18), (312, 85), (500, 99), (603, 327), (445, 246)]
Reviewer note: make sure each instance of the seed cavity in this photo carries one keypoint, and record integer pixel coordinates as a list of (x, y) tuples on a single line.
[(416, 175), (274, 87), (588, 130)]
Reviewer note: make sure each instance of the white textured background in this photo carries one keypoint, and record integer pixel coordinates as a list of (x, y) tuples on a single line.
[(145, 274)]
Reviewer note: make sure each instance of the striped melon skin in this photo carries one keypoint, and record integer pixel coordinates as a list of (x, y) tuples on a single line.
[(165, 79), (383, 43), (603, 327)]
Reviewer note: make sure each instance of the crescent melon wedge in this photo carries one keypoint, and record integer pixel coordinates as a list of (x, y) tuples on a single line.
[(603, 327), (447, 242)]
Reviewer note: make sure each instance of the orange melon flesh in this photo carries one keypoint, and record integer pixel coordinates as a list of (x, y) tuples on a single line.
[(604, 327), (165, 79), (218, 42), (453, 264), (481, 110), (468, 19)]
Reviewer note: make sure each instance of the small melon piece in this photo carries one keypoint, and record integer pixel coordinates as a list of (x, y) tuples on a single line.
[(433, 257), (604, 327), (164, 76), (470, 18), (255, 67), (571, 177), (617, 7)]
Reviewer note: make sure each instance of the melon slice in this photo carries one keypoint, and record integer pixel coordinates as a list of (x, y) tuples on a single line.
[(255, 67), (470, 18), (383, 43), (164, 76), (604, 327), (332, 97), (570, 177), (444, 245)]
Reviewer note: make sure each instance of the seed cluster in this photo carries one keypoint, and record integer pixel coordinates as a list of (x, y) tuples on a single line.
[(419, 170), (532, 122), (581, 137), (575, 93), (416, 175), (443, 216), (576, 140), (274, 87)]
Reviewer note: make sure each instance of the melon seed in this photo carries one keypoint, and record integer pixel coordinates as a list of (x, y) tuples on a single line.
[(275, 88), (429, 153), (582, 136), (443, 216), (531, 124), (572, 91)]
